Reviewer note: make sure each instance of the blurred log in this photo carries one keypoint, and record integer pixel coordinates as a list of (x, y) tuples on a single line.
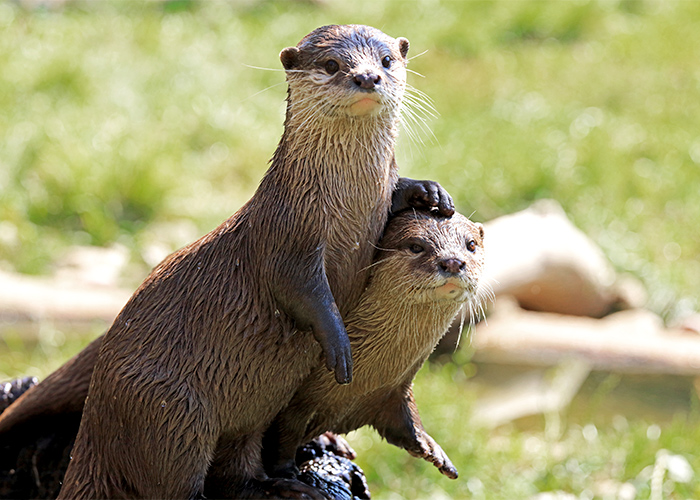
[(538, 391), (35, 299), (633, 341), (539, 257)]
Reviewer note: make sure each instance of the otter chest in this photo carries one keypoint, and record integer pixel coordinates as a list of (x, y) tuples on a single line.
[(355, 215)]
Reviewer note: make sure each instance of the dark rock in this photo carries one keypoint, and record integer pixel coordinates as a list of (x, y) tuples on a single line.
[(10, 391)]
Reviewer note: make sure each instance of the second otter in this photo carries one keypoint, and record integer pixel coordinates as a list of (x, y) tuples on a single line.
[(426, 268)]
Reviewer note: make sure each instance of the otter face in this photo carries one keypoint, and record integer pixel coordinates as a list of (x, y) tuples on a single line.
[(433, 258), (351, 70)]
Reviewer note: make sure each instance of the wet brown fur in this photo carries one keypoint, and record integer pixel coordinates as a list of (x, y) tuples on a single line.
[(398, 323), (202, 338)]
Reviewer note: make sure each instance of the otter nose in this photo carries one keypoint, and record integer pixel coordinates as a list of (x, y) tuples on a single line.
[(366, 80), (452, 265)]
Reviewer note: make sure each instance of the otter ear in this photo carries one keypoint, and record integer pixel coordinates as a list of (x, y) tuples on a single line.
[(403, 46), (480, 227), (289, 57)]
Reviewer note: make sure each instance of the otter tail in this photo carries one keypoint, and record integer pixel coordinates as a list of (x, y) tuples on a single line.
[(62, 392)]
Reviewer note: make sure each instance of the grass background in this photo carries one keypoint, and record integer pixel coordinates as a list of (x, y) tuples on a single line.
[(146, 124)]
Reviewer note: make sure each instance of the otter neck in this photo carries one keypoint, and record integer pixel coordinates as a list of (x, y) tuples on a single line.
[(344, 147), (410, 327), (407, 331)]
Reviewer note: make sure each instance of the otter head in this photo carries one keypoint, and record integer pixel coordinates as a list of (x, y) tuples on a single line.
[(432, 259), (350, 70)]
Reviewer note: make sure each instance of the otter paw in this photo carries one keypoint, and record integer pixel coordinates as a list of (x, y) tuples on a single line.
[(287, 469), (335, 444), (411, 193), (339, 359), (433, 453), (288, 489)]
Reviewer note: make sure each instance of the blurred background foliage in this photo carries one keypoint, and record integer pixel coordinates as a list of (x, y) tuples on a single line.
[(120, 116), (149, 123)]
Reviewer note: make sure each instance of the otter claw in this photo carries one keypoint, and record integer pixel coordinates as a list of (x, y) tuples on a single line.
[(343, 370), (335, 444), (448, 469)]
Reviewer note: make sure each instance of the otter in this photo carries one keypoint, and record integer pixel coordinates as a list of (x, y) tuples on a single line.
[(426, 268), (219, 336)]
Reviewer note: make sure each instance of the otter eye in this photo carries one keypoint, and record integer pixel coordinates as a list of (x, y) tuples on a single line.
[(386, 61), (416, 248), (471, 245), (331, 67)]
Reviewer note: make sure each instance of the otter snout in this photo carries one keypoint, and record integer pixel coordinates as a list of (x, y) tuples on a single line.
[(366, 80), (451, 266)]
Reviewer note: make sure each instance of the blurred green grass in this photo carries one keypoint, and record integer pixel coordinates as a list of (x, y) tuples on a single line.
[(119, 117)]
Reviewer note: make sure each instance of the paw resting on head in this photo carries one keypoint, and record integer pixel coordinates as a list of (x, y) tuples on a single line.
[(424, 195)]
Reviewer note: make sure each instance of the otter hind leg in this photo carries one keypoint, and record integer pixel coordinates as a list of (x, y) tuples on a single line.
[(114, 475), (237, 472)]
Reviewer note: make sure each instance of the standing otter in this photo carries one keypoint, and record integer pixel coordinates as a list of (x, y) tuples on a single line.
[(221, 333), (428, 267)]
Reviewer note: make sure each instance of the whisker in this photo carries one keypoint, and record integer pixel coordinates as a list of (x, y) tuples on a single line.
[(418, 55), (377, 247), (264, 69), (417, 110), (374, 264), (276, 69), (415, 73), (461, 326), (263, 90)]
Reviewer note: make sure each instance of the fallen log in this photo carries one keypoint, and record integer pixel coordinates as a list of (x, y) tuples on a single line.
[(632, 341)]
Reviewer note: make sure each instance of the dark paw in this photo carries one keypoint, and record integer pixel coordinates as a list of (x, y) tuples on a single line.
[(333, 443), (290, 489), (410, 193), (285, 470), (337, 477), (327, 442), (339, 359)]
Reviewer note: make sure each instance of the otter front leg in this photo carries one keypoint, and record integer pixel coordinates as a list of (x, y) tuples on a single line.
[(399, 423), (410, 193), (307, 298)]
